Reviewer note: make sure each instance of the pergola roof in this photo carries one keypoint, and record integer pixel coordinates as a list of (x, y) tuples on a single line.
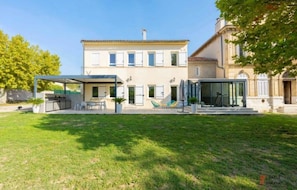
[(78, 79)]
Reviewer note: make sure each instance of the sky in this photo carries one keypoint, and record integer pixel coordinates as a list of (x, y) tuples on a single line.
[(59, 25)]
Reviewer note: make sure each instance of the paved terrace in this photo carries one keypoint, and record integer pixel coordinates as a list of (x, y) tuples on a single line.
[(187, 110)]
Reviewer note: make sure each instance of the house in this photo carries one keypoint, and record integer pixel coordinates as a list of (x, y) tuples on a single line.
[(147, 70), (220, 82)]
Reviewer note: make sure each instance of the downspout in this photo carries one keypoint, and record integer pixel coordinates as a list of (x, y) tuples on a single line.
[(83, 71), (222, 57), (83, 67)]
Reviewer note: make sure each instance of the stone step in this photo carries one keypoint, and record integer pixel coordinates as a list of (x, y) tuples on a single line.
[(224, 111)]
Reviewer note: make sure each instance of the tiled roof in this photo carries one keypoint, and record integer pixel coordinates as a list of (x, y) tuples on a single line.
[(201, 59)]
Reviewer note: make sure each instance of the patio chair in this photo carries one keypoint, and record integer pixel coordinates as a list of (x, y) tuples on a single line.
[(173, 104), (155, 104), (83, 105)]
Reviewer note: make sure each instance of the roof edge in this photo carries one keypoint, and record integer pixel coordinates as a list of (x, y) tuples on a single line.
[(134, 41)]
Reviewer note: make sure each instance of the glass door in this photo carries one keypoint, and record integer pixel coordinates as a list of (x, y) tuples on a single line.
[(131, 95)]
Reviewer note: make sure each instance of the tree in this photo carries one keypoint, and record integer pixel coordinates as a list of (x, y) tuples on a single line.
[(267, 30), (20, 62)]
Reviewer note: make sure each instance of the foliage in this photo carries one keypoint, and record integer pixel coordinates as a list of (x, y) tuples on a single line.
[(267, 30), (74, 87), (119, 100), (193, 100), (49, 151), (20, 62), (55, 87), (35, 101)]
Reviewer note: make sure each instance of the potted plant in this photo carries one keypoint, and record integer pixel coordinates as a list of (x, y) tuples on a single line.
[(119, 102), (193, 101), (35, 104)]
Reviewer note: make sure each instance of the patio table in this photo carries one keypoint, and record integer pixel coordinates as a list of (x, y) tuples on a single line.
[(101, 104)]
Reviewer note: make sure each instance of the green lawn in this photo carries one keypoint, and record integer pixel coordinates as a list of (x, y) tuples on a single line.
[(44, 151)]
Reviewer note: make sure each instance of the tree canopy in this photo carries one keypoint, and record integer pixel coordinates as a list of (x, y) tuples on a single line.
[(267, 31), (20, 62)]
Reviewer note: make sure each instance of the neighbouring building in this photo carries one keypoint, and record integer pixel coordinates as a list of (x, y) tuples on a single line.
[(218, 81)]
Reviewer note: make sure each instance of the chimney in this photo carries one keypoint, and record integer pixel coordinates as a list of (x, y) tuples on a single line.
[(143, 34)]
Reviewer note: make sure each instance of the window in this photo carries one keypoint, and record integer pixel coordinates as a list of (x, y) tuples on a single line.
[(112, 59), (173, 59), (239, 51), (95, 92), (151, 57), (242, 76), (262, 85), (131, 59), (174, 93), (197, 71), (151, 91), (112, 91), (131, 95)]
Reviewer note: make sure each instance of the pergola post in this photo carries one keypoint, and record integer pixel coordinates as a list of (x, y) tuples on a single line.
[(35, 87), (115, 88)]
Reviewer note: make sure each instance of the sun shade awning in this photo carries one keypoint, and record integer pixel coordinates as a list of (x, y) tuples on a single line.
[(78, 79)]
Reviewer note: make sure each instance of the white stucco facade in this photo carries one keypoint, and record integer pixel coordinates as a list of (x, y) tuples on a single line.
[(149, 70)]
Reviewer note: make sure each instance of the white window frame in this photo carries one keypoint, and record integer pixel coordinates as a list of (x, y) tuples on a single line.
[(115, 59), (148, 90), (262, 84), (130, 63), (148, 57), (176, 59), (239, 51)]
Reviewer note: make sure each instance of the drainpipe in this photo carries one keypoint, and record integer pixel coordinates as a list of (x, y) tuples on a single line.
[(83, 66), (222, 57)]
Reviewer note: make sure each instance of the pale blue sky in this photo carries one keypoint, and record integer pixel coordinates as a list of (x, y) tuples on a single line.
[(59, 25)]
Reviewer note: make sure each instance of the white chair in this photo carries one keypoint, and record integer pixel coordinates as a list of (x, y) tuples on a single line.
[(102, 105), (83, 105)]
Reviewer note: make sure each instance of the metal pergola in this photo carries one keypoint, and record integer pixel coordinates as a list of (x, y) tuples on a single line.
[(78, 79)]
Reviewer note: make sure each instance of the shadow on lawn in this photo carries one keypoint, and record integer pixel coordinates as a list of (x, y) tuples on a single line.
[(181, 151)]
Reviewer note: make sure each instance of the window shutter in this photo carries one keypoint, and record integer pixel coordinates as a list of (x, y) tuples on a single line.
[(139, 58), (102, 91), (159, 58), (183, 59), (159, 91), (95, 59), (139, 95), (120, 59), (120, 92)]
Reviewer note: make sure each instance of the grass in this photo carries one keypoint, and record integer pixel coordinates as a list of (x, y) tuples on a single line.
[(44, 151)]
